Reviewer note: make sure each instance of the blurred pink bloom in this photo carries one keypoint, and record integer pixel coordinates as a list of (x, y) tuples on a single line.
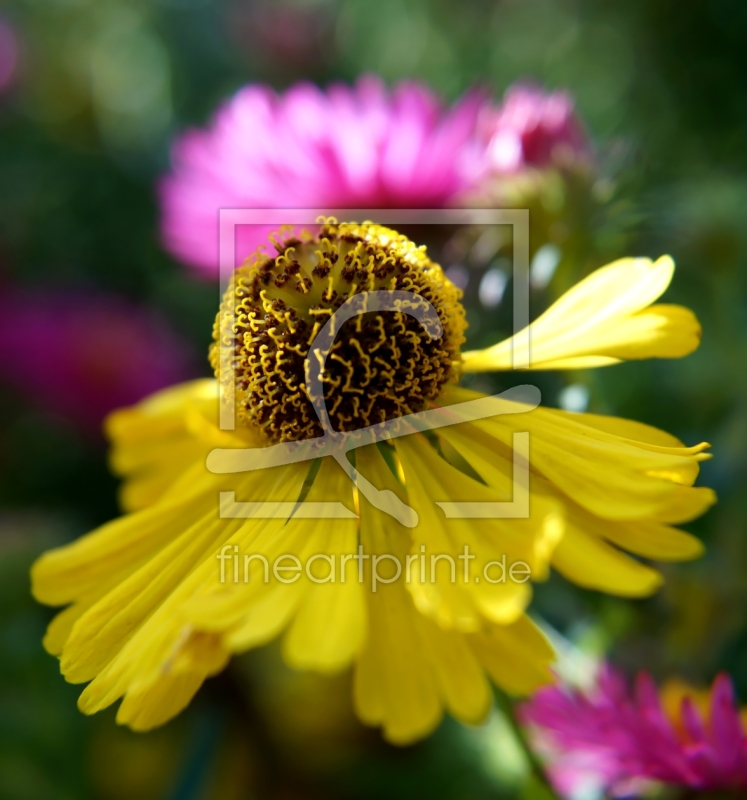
[(81, 355), (609, 740), (8, 54), (532, 128), (347, 147)]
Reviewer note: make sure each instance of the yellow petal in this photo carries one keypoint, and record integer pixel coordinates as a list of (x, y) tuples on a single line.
[(101, 633), (394, 683), (611, 476), (151, 645), (67, 573), (254, 611), (453, 597), (147, 486), (160, 414), (59, 628), (635, 431), (590, 562), (137, 631), (267, 616), (459, 674), (330, 625), (493, 462), (654, 540), (517, 657), (616, 481), (151, 446), (156, 441), (153, 702), (154, 705), (604, 319)]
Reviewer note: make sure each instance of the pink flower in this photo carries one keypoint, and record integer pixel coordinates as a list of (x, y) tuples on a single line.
[(348, 147), (611, 741), (532, 128), (80, 355)]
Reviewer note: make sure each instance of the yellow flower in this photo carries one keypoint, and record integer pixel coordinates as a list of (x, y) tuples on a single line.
[(159, 599)]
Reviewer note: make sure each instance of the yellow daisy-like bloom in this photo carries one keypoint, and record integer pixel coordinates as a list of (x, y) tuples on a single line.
[(156, 602)]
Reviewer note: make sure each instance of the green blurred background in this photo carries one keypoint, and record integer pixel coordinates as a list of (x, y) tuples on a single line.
[(100, 89)]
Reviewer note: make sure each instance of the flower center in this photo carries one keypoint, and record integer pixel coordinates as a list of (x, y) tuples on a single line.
[(382, 364)]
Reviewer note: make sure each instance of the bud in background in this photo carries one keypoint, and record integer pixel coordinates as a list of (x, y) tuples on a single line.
[(533, 128), (536, 154)]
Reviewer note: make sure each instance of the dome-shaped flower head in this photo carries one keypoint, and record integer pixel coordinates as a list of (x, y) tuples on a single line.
[(80, 354), (399, 563), (346, 147), (532, 128), (610, 740)]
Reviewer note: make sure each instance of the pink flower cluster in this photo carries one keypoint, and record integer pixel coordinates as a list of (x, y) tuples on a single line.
[(350, 147), (611, 740)]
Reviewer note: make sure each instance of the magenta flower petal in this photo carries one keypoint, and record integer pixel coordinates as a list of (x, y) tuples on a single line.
[(691, 720), (726, 727)]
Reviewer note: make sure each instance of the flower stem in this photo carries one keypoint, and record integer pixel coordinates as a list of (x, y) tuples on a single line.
[(507, 706)]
